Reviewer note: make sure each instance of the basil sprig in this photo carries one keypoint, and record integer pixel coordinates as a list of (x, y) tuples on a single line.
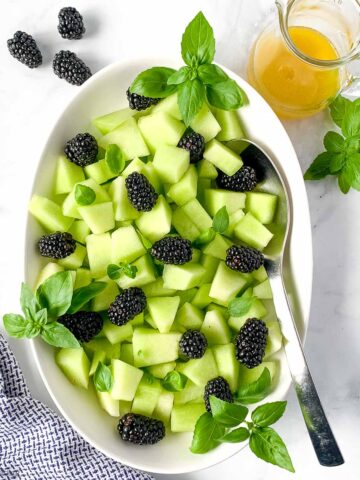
[(219, 225), (196, 82)]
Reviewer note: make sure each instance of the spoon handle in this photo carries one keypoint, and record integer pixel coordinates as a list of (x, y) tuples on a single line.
[(322, 437)]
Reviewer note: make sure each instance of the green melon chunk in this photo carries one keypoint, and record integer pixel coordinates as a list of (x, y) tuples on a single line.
[(262, 206), (191, 393), (147, 396), (107, 123), (99, 171), (138, 320), (196, 255), (83, 278), (252, 232), (75, 365), (128, 137), (99, 217), (202, 299), (123, 208), (67, 174), (103, 299), (164, 407), (185, 189), (230, 125), (226, 284), (126, 379), (99, 253), (50, 269), (190, 316), (200, 370), (263, 290), (161, 370), (215, 328), (250, 375), (109, 404), (184, 417), (49, 214), (135, 165), (186, 295), (183, 277), (150, 173), (206, 169), (98, 357), (102, 345), (257, 310), (216, 199), (217, 247), (171, 163), (148, 319), (160, 216), (145, 274), (198, 215), (222, 157), (75, 260), (126, 245), (125, 407), (152, 348), (210, 264), (126, 353), (227, 364), (260, 274), (70, 206), (160, 129), (157, 289), (203, 184), (184, 225), (275, 339), (234, 219), (79, 230), (214, 306), (205, 123), (163, 311), (168, 105)]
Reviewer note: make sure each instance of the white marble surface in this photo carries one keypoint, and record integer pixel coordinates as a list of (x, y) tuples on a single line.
[(30, 102)]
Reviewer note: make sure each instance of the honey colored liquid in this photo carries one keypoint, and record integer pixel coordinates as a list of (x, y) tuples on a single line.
[(291, 86)]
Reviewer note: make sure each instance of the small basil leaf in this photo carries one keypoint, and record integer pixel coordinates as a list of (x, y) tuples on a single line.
[(84, 195), (58, 335), (129, 270), (337, 162), (180, 76), (338, 109), (32, 330), (191, 96), (15, 325), (267, 414), (351, 170), (334, 142), (55, 293), (221, 220), (240, 306), (267, 445), (115, 159), (344, 183), (198, 42), (205, 237), (114, 271), (41, 317), (153, 83), (103, 378), (207, 434), (236, 436), (28, 300), (226, 95), (174, 381), (319, 168), (210, 74), (229, 414), (351, 121), (255, 391), (82, 295)]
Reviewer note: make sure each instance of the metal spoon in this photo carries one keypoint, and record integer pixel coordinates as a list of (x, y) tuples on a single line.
[(322, 437)]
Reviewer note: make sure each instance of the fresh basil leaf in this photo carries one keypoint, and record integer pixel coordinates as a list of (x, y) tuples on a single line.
[(337, 161), (198, 42), (83, 295), (84, 195), (226, 95), (334, 142), (32, 329), (343, 182), (205, 237), (58, 335), (28, 300), (320, 167), (229, 414), (351, 121), (221, 220), (267, 445), (191, 96), (210, 74), (146, 242), (41, 317), (15, 325), (207, 434), (180, 76), (351, 170), (255, 391), (267, 414), (236, 436), (154, 83), (338, 109), (55, 293), (174, 381), (115, 159), (103, 378), (129, 270), (240, 306), (115, 271)]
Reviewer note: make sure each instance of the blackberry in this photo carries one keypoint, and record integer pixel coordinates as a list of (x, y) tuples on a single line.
[(70, 67), (140, 192), (141, 430), (195, 144), (71, 24), (173, 250), (244, 259), (139, 102), (250, 342), (57, 245), (83, 325), (218, 387), (127, 305), (244, 180), (82, 149), (193, 344), (23, 47)]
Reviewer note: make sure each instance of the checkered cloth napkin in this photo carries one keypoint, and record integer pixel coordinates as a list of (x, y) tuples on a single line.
[(36, 444)]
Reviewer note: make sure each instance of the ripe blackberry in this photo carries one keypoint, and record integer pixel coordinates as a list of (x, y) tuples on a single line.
[(82, 149), (70, 67), (140, 192), (193, 344), (244, 259), (244, 180), (127, 305), (23, 47), (57, 245), (218, 387), (139, 102), (141, 430), (195, 144), (71, 25), (250, 342), (173, 250), (83, 325)]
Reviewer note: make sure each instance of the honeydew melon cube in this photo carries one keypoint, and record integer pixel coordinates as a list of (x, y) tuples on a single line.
[(75, 260), (196, 255), (183, 277), (157, 289), (226, 284), (126, 245), (164, 406), (252, 232), (257, 310), (184, 417), (190, 393), (67, 174), (147, 396), (49, 214), (275, 339), (250, 375), (186, 295), (128, 137), (185, 189), (152, 348), (168, 105), (135, 165), (217, 247), (83, 278), (210, 264), (200, 370), (202, 299), (227, 364), (116, 334), (150, 173), (184, 226), (220, 308), (50, 269), (97, 358), (160, 129), (123, 208), (99, 253), (145, 274), (230, 125), (109, 404), (79, 230), (234, 219), (215, 328), (262, 206), (205, 123), (156, 223), (148, 319), (163, 311), (171, 163), (203, 184), (222, 157), (198, 215), (102, 345), (126, 379), (260, 274), (216, 199), (75, 365), (126, 353), (138, 320), (161, 370), (103, 299), (107, 123), (263, 290), (99, 217), (71, 208), (190, 316), (99, 171), (206, 169)]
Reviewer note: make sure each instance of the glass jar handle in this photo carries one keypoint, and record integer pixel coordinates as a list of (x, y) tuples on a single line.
[(352, 89)]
